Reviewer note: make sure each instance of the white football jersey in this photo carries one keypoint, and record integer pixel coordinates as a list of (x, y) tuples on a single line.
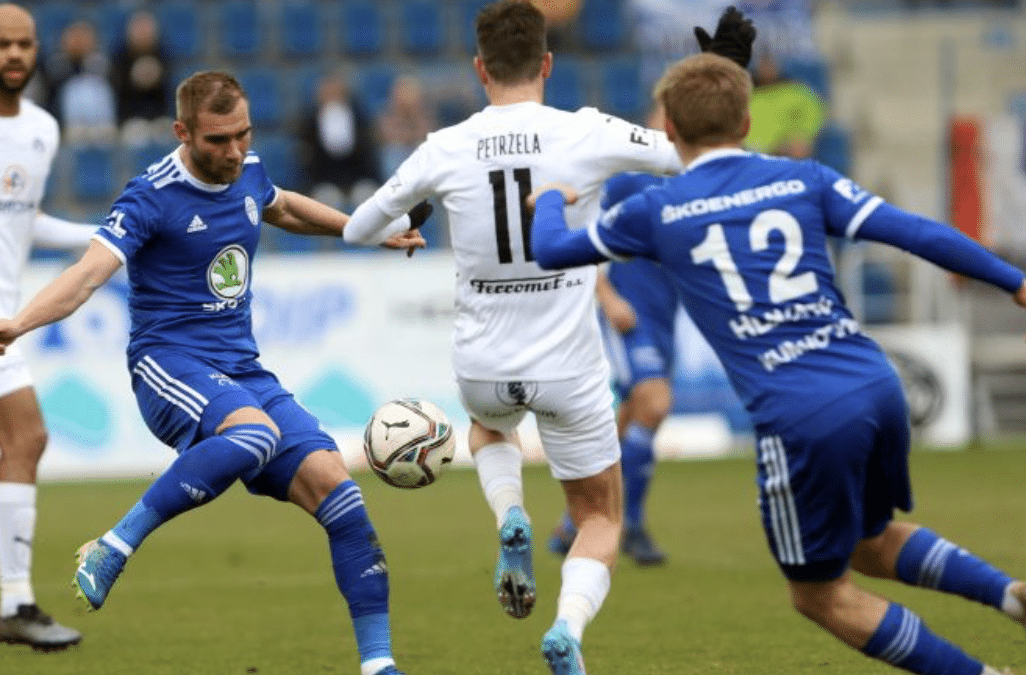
[(514, 320), (28, 145)]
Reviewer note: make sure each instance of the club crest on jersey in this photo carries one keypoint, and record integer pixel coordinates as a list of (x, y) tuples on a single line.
[(228, 277), (14, 180), (251, 211), (848, 189)]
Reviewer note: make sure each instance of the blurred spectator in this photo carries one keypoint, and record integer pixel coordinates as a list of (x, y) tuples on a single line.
[(82, 98), (662, 31), (785, 28), (560, 17), (340, 153), (141, 79), (405, 122), (786, 115)]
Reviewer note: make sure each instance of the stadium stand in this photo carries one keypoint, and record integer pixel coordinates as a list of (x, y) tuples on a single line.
[(362, 25), (421, 28), (240, 29), (300, 28)]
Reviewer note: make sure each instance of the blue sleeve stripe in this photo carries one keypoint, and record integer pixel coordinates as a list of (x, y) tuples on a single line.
[(600, 245), (856, 222)]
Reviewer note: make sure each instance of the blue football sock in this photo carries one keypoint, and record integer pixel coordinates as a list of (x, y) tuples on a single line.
[(931, 561), (196, 476), (360, 570), (902, 640), (637, 462)]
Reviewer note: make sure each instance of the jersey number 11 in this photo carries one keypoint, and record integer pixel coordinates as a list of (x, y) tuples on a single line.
[(498, 180)]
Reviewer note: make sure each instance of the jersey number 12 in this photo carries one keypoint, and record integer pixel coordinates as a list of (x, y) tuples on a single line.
[(497, 179)]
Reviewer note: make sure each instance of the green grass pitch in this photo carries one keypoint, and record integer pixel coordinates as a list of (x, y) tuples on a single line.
[(244, 585)]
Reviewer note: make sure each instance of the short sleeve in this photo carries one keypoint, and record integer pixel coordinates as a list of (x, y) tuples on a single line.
[(130, 223), (845, 204), (624, 146)]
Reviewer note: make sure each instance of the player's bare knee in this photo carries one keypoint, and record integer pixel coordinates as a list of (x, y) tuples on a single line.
[(318, 475), (651, 402), (26, 446), (248, 415)]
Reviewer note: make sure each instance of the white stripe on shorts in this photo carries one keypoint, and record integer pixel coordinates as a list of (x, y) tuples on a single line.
[(783, 514), (170, 389)]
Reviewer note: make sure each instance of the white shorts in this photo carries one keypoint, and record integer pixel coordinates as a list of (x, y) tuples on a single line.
[(14, 372), (575, 418)]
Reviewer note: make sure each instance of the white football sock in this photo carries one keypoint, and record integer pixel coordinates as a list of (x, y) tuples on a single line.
[(17, 525), (585, 586), (499, 470)]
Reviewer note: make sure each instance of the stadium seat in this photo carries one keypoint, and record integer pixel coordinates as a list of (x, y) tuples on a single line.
[(421, 28), (374, 85), (468, 16), (565, 88), (181, 27), (301, 28), (110, 18), (279, 154), (239, 28), (363, 28), (833, 147), (603, 26), (139, 158), (93, 170), (621, 89), (814, 73), (266, 95)]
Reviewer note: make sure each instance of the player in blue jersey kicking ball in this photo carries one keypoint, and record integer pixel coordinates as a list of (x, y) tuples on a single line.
[(187, 231), (744, 236)]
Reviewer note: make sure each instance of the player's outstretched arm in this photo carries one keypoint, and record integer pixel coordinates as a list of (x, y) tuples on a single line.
[(299, 214), (51, 232), (942, 245), (63, 295), (553, 244)]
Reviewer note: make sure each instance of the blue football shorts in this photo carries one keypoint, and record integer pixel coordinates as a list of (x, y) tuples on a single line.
[(183, 400), (643, 353), (833, 479)]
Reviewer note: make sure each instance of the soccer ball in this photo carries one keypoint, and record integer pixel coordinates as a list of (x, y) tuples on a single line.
[(408, 443)]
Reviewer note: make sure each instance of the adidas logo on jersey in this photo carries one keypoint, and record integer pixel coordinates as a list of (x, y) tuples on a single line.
[(196, 225), (376, 568), (195, 494)]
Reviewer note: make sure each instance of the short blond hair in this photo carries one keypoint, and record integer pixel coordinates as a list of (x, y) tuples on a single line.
[(209, 91), (706, 99)]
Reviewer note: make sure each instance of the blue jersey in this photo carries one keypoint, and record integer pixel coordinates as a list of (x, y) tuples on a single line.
[(744, 237), (188, 247)]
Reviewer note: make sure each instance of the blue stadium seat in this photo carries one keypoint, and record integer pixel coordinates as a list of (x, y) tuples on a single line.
[(603, 25), (181, 27), (468, 17), (267, 95), (51, 20), (621, 89), (279, 154), (110, 18), (565, 88), (93, 170), (139, 158), (421, 27), (833, 148), (240, 29), (363, 28), (374, 85), (814, 73), (301, 28)]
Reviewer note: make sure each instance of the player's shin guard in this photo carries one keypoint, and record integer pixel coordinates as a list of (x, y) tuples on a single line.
[(360, 570), (637, 462), (930, 561), (903, 641), (198, 475)]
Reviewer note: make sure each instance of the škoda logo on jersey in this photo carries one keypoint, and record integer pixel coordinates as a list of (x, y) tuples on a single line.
[(227, 278)]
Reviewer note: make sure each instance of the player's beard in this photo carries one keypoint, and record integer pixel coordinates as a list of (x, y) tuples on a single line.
[(214, 172), (8, 90)]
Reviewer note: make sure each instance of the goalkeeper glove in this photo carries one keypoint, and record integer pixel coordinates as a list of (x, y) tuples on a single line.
[(733, 38), (419, 214)]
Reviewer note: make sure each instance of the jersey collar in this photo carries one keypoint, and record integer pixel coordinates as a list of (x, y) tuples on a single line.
[(713, 155), (191, 179)]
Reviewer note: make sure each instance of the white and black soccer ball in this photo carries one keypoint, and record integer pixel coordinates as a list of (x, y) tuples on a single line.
[(409, 443)]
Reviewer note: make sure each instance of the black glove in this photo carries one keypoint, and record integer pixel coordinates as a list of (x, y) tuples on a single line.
[(733, 39), (419, 214)]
